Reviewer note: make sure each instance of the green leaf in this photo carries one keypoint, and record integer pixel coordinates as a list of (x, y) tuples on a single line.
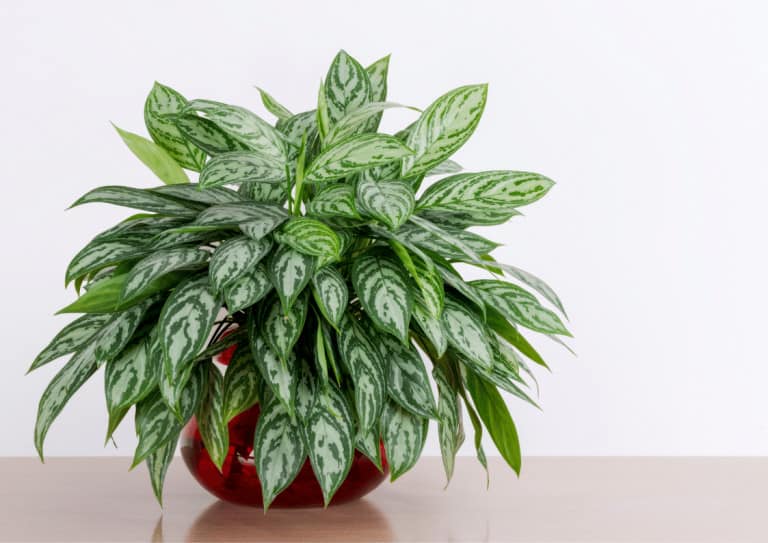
[(477, 426), (266, 193), (466, 333), (449, 421), (241, 167), (273, 106), (423, 272), (369, 443), (452, 278), (508, 331), (192, 192), (114, 336), (368, 371), (333, 202), (146, 200), (444, 127), (305, 391), (353, 155), (449, 243), (260, 218), (234, 258), (431, 327), (241, 383), (70, 339), (445, 167), (281, 377), (356, 121), (154, 157), (100, 254), (162, 106), (61, 388), (206, 135), (382, 286), (407, 381), (278, 450), (130, 377), (157, 465), (185, 322), (330, 293), (347, 87), (290, 271), (404, 435), (180, 397), (484, 198), (243, 126), (329, 431), (155, 423), (311, 237), (248, 289), (390, 202), (294, 128), (282, 330), (494, 414), (535, 283), (157, 264), (210, 418), (377, 74)]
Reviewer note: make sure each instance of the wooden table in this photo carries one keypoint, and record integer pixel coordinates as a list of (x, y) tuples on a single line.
[(695, 500)]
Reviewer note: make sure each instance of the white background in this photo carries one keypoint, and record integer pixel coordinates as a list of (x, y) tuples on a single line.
[(651, 117)]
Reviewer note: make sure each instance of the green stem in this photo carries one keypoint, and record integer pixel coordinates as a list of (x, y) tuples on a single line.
[(300, 175)]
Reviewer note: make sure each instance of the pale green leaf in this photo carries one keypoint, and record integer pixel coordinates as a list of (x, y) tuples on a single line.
[(241, 167), (146, 200), (467, 333), (210, 418), (311, 237), (281, 330), (248, 289), (407, 380), (241, 383), (71, 338), (404, 436), (347, 87), (290, 271), (281, 377), (333, 202), (273, 106), (234, 258), (154, 157), (157, 264), (330, 293), (449, 420), (390, 202)]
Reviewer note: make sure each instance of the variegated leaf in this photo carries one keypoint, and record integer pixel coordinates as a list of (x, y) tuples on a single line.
[(247, 289), (368, 370), (71, 338), (281, 330), (241, 383), (182, 395), (427, 278), (404, 435), (353, 155), (356, 121), (146, 200), (520, 306), (377, 74), (281, 377), (278, 450), (311, 237), (534, 282), (334, 201), (61, 388), (466, 333), (452, 278), (243, 126), (265, 193), (444, 127), (192, 192), (210, 418), (331, 294), (449, 420), (160, 109), (273, 106), (114, 336), (99, 254), (130, 377), (141, 225), (305, 391), (369, 443), (154, 157), (329, 430), (290, 271), (390, 202), (155, 424), (445, 167), (171, 239), (407, 381), (241, 167), (449, 243), (381, 284), (432, 328), (157, 465), (185, 322), (206, 135), (158, 264), (347, 87), (232, 215), (294, 128), (234, 258)]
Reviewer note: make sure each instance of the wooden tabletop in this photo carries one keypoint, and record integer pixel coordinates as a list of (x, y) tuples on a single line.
[(692, 500)]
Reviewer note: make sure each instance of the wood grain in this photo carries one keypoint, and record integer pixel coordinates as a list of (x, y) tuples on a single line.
[(557, 499)]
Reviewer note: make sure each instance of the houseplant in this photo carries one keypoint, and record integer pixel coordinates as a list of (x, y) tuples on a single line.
[(304, 247)]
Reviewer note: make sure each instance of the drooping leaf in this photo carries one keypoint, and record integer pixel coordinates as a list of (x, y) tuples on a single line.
[(241, 167), (157, 465), (331, 294), (210, 418), (347, 87), (444, 127), (449, 243), (192, 192), (273, 106), (70, 339), (334, 201), (445, 167), (353, 155), (404, 436), (281, 330), (160, 110), (535, 283), (265, 193), (381, 284), (241, 383), (182, 395), (154, 157), (146, 200), (407, 380), (116, 333), (99, 254), (290, 271), (281, 377), (233, 215), (369, 443), (509, 333), (157, 264), (431, 327), (247, 289), (466, 333), (130, 377), (311, 237), (449, 421), (330, 440), (390, 202), (155, 423), (305, 391), (234, 258), (427, 278)]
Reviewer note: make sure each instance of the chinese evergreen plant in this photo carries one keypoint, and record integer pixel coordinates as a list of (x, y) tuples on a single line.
[(304, 245)]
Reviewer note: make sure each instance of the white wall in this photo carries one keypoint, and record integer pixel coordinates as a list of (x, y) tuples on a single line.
[(652, 117)]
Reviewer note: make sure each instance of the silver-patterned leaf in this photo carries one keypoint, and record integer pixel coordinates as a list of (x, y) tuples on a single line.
[(241, 383), (98, 254), (273, 106), (206, 135), (232, 215), (114, 336), (452, 278), (294, 128), (368, 370), (266, 193), (305, 391), (382, 287), (448, 243), (377, 74), (449, 420), (234, 258), (130, 377), (329, 433), (281, 377), (155, 423), (369, 443), (247, 289), (290, 271), (183, 394), (431, 327), (311, 237), (445, 167), (158, 264), (210, 418), (356, 121), (444, 127), (71, 338), (347, 87), (258, 228), (519, 306), (423, 272), (353, 155), (146, 200), (192, 192), (241, 167), (278, 450), (390, 202), (154, 157), (160, 109), (534, 282), (407, 381), (281, 330), (330, 293), (157, 465), (466, 333), (185, 322), (404, 435), (334, 201)]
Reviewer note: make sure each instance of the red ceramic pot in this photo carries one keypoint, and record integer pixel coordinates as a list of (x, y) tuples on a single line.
[(238, 481)]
